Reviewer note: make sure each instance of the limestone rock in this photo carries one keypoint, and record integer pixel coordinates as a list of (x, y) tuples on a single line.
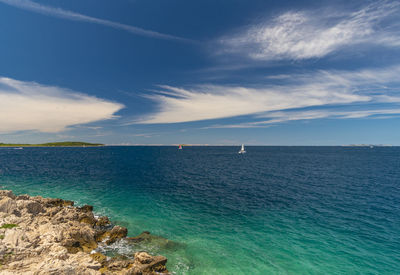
[(101, 258), (148, 263), (102, 221), (86, 208), (111, 236), (143, 257), (54, 237), (79, 239), (7, 193), (8, 205), (34, 208), (23, 197), (117, 233), (58, 202), (88, 218)]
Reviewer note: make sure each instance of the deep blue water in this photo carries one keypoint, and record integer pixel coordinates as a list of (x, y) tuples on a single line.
[(274, 210)]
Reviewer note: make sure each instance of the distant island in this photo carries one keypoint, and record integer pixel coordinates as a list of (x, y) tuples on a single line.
[(368, 145), (52, 144)]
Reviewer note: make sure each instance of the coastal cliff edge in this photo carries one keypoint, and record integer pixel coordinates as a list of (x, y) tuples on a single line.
[(51, 236)]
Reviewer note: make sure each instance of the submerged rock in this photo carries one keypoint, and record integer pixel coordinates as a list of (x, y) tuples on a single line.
[(144, 236), (147, 238), (50, 236)]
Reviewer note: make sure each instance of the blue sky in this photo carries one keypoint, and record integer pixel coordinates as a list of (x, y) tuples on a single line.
[(200, 72)]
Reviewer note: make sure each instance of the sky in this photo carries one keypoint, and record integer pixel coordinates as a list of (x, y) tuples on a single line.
[(219, 72)]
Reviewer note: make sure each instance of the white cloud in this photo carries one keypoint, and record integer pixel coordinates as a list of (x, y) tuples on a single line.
[(31, 106), (70, 15), (314, 34), (304, 90)]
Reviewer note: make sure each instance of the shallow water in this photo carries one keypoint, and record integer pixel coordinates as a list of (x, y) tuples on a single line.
[(274, 210)]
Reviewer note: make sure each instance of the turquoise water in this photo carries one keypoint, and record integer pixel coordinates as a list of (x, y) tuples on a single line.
[(274, 210)]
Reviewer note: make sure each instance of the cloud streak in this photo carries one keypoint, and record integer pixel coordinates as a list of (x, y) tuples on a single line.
[(286, 116), (31, 106), (70, 15), (301, 35), (299, 91)]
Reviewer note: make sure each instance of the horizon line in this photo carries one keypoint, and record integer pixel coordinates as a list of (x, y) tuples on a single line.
[(253, 145)]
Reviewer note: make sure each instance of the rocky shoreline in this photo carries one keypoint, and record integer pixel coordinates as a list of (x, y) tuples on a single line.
[(52, 236)]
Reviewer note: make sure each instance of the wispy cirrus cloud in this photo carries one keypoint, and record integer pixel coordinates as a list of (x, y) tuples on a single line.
[(74, 16), (319, 88), (32, 106), (273, 118), (300, 35), (213, 102)]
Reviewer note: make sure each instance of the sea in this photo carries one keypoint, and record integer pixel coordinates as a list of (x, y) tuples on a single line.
[(273, 210)]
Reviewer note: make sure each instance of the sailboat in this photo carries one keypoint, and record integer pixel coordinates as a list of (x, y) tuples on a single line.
[(180, 147), (242, 151)]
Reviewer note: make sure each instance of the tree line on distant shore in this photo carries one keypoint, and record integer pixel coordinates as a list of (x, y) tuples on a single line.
[(52, 144)]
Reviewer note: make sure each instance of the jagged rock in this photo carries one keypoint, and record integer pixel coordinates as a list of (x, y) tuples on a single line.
[(101, 258), (134, 270), (115, 264), (34, 208), (53, 237), (111, 236), (58, 202), (7, 193), (23, 197), (102, 221), (117, 233), (148, 263), (101, 235), (86, 208), (79, 239), (143, 258), (88, 218)]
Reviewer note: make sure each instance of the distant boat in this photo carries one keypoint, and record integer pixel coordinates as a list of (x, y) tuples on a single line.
[(180, 147), (242, 151), (18, 148)]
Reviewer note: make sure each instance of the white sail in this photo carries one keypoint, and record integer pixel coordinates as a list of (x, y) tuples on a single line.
[(242, 151)]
